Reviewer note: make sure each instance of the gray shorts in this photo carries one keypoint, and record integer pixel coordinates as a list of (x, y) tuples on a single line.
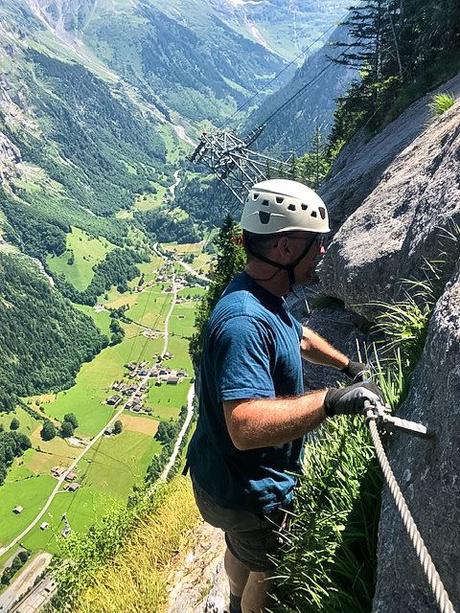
[(252, 539)]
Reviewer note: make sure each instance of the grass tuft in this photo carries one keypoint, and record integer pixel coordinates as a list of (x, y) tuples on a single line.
[(441, 103)]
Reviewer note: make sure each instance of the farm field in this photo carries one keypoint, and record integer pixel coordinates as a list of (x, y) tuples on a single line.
[(87, 251)]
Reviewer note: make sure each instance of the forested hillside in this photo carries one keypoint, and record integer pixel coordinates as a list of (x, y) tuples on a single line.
[(44, 339)]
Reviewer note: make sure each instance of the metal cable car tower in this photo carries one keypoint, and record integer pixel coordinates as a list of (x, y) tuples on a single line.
[(233, 161)]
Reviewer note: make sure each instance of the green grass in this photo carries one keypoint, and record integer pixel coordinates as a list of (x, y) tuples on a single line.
[(106, 474), (441, 103), (175, 147), (151, 308), (147, 202), (93, 384), (101, 319), (115, 464), (27, 423), (87, 252), (25, 489), (166, 400), (179, 348), (182, 321)]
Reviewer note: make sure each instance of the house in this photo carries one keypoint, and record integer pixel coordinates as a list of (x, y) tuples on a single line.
[(114, 400), (58, 471), (18, 509), (172, 380), (44, 525), (71, 476), (73, 487)]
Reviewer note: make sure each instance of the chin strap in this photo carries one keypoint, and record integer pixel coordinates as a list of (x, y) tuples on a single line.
[(289, 268)]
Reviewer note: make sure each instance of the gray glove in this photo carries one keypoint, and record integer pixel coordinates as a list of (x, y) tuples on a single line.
[(356, 371), (350, 400)]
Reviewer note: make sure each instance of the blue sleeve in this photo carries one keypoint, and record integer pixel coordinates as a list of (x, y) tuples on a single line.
[(243, 347), (299, 327)]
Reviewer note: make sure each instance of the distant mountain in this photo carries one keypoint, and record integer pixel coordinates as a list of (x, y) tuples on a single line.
[(292, 129), (284, 26)]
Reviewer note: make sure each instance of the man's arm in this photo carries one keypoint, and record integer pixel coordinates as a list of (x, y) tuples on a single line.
[(316, 349), (269, 422)]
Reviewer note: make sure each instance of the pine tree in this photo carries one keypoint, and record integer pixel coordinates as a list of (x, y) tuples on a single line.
[(365, 23), (230, 260)]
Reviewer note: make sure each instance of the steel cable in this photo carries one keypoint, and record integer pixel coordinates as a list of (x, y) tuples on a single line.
[(436, 584)]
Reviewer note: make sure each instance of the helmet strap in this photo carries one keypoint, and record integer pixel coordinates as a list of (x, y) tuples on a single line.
[(289, 268)]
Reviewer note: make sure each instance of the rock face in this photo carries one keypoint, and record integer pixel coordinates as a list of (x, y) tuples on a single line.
[(392, 198), (399, 224), (10, 156), (428, 472), (362, 162)]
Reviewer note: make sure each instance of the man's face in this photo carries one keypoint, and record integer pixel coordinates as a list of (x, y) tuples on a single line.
[(304, 271)]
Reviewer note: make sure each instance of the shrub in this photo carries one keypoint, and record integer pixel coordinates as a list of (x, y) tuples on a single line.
[(14, 425)]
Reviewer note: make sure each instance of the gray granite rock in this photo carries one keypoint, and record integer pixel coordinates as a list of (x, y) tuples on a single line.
[(428, 473), (399, 225), (363, 161), (346, 331)]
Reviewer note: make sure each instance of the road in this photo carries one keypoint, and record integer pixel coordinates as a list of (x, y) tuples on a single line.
[(189, 269), (182, 433)]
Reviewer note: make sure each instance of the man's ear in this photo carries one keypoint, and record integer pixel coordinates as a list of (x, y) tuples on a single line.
[(283, 246)]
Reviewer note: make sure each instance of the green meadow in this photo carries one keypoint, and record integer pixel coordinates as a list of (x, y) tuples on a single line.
[(87, 251), (101, 319)]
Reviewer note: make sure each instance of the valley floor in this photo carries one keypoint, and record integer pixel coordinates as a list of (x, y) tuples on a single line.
[(109, 470)]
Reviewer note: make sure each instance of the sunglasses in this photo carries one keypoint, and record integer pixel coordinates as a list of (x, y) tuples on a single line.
[(318, 239)]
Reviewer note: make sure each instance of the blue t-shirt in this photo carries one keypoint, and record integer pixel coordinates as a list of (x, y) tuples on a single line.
[(251, 350)]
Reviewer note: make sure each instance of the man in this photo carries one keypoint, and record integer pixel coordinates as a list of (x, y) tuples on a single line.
[(253, 412)]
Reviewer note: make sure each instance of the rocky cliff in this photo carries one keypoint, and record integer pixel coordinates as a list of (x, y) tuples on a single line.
[(393, 196)]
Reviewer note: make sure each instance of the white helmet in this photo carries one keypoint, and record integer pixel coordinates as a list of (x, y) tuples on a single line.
[(282, 205)]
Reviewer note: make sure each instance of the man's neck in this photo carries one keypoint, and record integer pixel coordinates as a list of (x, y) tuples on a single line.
[(272, 279)]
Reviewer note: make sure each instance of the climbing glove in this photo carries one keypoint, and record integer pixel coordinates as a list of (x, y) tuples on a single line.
[(350, 400), (356, 371)]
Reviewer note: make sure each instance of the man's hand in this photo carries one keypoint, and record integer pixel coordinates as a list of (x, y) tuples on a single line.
[(350, 400), (356, 371)]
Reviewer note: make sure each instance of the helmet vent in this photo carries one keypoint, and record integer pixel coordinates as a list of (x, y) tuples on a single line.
[(291, 207), (255, 196), (314, 214), (304, 207), (264, 217), (265, 203), (322, 212), (279, 200)]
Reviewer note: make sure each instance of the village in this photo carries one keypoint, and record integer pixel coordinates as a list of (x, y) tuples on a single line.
[(135, 393)]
